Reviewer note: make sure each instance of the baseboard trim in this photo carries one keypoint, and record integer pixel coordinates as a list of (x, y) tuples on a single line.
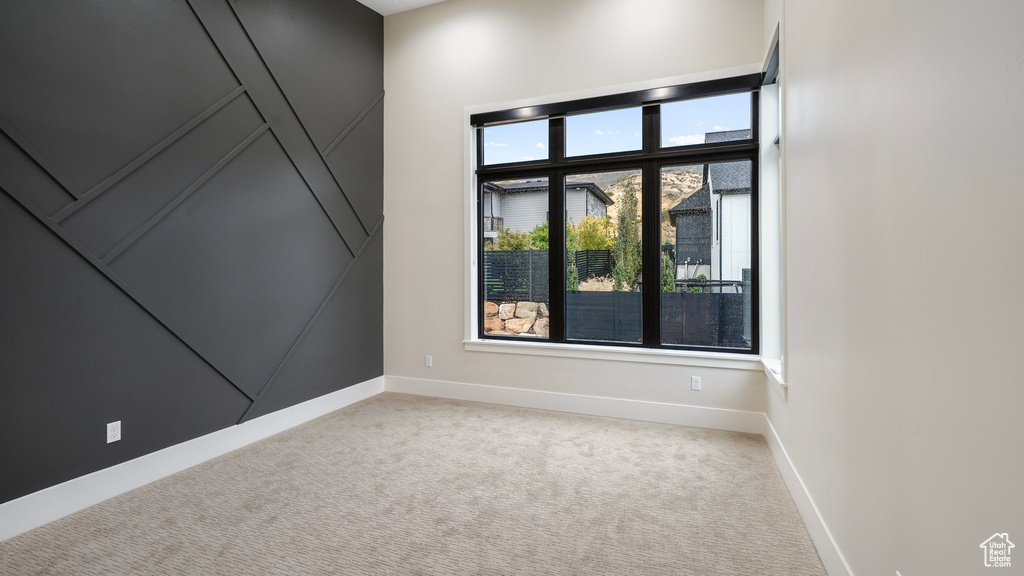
[(834, 561), (45, 506), (665, 413)]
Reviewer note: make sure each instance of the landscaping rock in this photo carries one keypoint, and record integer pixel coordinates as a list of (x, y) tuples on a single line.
[(493, 324), (506, 311), (526, 310), (490, 309), (541, 327), (542, 310), (519, 325)]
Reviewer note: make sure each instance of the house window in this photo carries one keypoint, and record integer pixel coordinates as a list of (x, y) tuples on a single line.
[(772, 203), (636, 224)]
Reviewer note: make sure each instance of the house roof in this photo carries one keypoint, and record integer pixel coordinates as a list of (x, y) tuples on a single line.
[(542, 186), (699, 201), (730, 177), (726, 135), (719, 178)]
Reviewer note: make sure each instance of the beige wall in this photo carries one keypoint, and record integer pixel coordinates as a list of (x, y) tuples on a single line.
[(905, 205), (905, 196), (444, 58)]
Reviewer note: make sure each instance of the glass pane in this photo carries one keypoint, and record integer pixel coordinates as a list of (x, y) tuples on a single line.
[(519, 142), (706, 250), (603, 256), (515, 265), (706, 120), (603, 132)]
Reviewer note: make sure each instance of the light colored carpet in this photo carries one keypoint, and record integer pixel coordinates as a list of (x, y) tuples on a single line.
[(402, 484)]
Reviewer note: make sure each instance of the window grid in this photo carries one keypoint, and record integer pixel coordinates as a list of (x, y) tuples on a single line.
[(649, 160)]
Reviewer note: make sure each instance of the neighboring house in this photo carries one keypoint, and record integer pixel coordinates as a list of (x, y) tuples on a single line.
[(713, 224), (522, 206)]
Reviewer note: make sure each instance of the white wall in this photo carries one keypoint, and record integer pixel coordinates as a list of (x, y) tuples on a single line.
[(444, 58), (905, 233)]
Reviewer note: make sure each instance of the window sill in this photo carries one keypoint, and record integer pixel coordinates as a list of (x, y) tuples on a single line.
[(773, 371), (641, 355)]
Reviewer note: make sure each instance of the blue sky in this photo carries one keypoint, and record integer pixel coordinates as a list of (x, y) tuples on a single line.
[(516, 142), (686, 122), (618, 130)]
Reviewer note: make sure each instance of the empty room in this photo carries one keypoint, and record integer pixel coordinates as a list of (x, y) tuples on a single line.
[(540, 287)]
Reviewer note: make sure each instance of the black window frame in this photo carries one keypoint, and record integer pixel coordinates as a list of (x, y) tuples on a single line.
[(650, 159)]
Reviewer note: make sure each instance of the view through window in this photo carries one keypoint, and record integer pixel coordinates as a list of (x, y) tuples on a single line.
[(628, 225)]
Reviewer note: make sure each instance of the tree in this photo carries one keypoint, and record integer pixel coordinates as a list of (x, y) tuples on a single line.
[(572, 246), (627, 241), (511, 240), (668, 273), (594, 233), (572, 278), (539, 237), (698, 289)]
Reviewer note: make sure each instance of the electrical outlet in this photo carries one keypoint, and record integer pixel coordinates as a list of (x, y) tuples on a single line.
[(113, 432), (694, 382), (429, 361)]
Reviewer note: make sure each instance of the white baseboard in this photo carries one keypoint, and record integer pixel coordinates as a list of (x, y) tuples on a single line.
[(699, 416), (831, 557), (47, 505)]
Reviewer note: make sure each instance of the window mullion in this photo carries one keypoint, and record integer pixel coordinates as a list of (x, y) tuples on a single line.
[(556, 232), (651, 237)]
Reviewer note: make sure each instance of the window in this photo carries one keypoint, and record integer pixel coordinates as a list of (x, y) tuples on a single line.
[(772, 317), (635, 224)]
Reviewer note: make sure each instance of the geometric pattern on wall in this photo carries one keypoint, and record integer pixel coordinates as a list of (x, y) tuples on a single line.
[(220, 162)]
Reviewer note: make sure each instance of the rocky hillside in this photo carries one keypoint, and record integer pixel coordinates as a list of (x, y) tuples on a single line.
[(677, 184)]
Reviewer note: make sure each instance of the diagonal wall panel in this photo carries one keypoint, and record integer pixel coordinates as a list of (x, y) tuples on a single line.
[(89, 76), (151, 142), (358, 164), (342, 346), (115, 213), (236, 47), (243, 263), (75, 353), (340, 46)]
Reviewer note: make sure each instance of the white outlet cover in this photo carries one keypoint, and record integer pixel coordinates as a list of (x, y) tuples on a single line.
[(695, 383), (429, 361), (113, 432)]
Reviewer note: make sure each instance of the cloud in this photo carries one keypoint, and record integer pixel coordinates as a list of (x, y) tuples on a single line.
[(717, 128), (599, 132), (606, 132), (495, 144), (687, 139), (540, 145), (527, 158)]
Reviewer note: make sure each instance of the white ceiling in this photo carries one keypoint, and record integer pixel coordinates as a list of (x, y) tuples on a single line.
[(387, 7)]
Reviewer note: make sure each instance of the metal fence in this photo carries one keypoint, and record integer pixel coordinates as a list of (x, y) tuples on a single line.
[(692, 319), (515, 275), (708, 313), (592, 263)]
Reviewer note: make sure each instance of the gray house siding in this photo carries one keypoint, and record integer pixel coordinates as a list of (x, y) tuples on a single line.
[(575, 205), (524, 206), (522, 212)]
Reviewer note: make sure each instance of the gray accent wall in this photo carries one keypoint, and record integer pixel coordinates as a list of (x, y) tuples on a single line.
[(191, 203)]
